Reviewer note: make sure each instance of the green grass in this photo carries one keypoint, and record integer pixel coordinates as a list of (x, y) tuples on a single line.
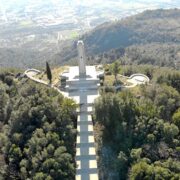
[(55, 74), (74, 35)]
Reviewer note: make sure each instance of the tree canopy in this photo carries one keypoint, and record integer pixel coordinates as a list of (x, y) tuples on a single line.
[(38, 131), (138, 130)]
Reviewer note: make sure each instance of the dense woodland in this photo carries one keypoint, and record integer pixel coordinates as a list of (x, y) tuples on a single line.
[(163, 55), (138, 130), (37, 131)]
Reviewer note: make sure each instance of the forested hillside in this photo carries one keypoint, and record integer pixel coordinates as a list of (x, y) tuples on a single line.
[(138, 130), (151, 37), (37, 131), (150, 26)]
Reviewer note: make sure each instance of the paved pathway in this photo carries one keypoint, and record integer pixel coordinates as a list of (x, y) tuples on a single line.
[(84, 91), (31, 73)]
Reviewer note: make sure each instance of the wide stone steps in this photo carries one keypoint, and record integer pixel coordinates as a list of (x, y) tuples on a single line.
[(82, 82), (85, 148), (81, 89)]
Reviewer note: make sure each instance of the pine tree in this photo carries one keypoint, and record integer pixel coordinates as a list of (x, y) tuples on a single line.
[(48, 71)]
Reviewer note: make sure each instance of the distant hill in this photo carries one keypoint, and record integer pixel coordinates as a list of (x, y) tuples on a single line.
[(153, 32), (151, 37), (161, 26)]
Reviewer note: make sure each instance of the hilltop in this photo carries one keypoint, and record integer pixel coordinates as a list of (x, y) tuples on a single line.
[(136, 130)]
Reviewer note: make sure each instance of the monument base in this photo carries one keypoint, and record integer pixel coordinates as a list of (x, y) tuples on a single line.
[(82, 75)]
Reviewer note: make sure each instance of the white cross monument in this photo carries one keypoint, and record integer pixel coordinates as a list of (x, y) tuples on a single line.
[(81, 59)]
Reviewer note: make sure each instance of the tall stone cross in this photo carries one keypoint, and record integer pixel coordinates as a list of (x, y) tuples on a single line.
[(81, 59)]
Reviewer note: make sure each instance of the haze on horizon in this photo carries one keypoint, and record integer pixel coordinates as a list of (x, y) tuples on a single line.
[(124, 4)]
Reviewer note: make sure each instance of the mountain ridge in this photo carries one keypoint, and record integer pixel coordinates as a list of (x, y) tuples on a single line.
[(109, 42)]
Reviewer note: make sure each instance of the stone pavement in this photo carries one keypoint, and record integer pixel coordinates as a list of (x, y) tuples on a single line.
[(84, 91)]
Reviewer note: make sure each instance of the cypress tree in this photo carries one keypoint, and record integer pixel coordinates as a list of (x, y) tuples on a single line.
[(48, 71), (115, 70)]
